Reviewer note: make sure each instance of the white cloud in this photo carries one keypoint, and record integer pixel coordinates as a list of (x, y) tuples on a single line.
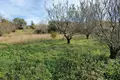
[(30, 10), (18, 2)]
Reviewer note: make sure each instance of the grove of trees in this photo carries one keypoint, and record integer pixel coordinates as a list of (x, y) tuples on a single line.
[(98, 17), (96, 57), (101, 17)]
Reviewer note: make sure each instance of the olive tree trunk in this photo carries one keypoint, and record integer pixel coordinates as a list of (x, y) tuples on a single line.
[(87, 36), (113, 53), (68, 38), (68, 41)]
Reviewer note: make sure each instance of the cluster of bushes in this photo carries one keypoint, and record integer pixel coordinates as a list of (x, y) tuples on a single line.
[(45, 28), (41, 28), (6, 27), (53, 35)]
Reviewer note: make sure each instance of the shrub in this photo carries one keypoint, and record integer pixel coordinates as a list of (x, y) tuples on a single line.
[(41, 28), (6, 27), (53, 35), (52, 27)]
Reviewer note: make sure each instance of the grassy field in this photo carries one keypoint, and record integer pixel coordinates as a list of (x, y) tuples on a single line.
[(55, 60), (27, 56)]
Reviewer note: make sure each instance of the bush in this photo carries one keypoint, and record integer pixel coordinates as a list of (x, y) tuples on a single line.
[(6, 27), (53, 35), (41, 29), (52, 27)]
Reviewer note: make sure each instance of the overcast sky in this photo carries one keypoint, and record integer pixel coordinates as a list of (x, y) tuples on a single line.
[(30, 10)]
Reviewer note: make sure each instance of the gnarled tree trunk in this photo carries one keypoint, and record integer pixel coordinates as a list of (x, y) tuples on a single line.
[(68, 41), (113, 52), (87, 36), (68, 37)]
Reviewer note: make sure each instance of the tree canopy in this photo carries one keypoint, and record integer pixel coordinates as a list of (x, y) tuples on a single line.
[(20, 23)]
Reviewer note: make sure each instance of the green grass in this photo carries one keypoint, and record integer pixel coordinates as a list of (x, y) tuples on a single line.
[(25, 31), (56, 60)]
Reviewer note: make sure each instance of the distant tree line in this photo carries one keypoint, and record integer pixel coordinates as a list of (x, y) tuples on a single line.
[(7, 26)]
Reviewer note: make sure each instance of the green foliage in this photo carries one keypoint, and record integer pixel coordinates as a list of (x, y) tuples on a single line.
[(53, 35), (55, 60), (52, 27), (32, 26), (20, 23), (112, 71)]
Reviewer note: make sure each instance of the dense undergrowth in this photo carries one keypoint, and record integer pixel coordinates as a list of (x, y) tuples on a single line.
[(55, 60)]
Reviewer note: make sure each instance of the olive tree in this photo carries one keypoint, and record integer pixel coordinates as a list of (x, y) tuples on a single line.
[(90, 20), (109, 10), (66, 17)]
